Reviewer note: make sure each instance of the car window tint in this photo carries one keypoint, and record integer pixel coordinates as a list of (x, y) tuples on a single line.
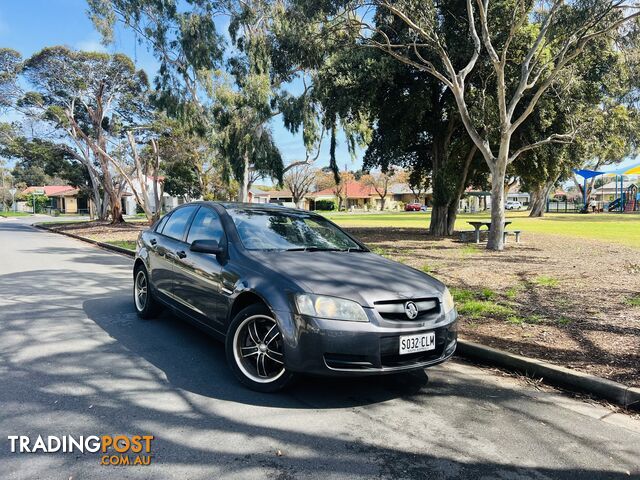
[(160, 224), (205, 226), (287, 230), (177, 223)]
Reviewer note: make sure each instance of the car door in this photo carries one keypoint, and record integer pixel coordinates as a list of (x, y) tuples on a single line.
[(199, 284), (160, 268), (169, 244)]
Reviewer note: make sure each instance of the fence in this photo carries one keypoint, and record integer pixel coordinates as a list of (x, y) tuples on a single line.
[(564, 207)]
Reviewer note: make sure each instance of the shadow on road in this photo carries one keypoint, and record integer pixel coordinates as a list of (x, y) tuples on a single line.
[(160, 375), (195, 362)]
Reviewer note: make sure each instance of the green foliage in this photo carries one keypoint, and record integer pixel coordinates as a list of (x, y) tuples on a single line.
[(127, 244), (469, 250), (427, 268), (483, 308), (633, 301), (39, 162), (10, 66), (40, 201), (325, 205), (546, 281), (512, 292)]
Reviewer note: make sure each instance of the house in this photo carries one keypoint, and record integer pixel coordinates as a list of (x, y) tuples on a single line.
[(610, 191), (355, 195), (285, 197), (62, 198), (401, 192), (257, 195), (360, 196), (168, 202)]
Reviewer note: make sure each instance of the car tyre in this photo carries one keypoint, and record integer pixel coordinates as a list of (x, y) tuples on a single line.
[(254, 350), (145, 303)]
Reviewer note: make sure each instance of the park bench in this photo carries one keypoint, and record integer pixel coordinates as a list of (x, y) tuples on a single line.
[(512, 232), (470, 235)]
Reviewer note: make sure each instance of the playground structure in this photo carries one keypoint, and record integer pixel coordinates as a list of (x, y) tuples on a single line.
[(629, 201), (626, 199)]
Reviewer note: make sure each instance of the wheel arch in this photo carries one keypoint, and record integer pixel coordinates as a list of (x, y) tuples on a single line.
[(137, 264), (244, 300)]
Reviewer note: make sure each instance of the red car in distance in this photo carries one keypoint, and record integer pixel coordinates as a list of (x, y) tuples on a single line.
[(413, 207)]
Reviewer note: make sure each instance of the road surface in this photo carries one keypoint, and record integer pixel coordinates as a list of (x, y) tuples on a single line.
[(75, 360)]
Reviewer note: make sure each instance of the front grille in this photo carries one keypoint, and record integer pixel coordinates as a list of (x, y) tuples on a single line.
[(394, 309)]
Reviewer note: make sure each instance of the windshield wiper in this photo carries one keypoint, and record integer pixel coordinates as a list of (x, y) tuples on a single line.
[(313, 249)]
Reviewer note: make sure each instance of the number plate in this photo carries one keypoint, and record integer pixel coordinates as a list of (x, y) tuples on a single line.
[(417, 343)]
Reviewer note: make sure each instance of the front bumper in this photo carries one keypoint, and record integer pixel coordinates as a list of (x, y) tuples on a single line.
[(339, 348)]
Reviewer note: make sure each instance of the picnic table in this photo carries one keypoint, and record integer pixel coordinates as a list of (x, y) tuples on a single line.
[(479, 224)]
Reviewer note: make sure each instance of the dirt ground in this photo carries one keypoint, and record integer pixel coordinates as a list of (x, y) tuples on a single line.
[(572, 302)]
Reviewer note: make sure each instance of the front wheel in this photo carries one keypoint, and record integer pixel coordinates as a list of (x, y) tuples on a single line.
[(255, 350), (146, 305)]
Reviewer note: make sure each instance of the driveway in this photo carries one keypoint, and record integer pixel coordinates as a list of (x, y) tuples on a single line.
[(75, 359)]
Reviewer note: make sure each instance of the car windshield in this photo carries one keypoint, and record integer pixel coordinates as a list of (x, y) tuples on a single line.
[(289, 230)]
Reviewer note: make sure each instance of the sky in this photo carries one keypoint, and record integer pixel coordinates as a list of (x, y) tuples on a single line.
[(30, 25)]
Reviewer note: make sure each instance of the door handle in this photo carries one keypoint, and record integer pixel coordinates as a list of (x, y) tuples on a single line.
[(153, 242), (181, 254)]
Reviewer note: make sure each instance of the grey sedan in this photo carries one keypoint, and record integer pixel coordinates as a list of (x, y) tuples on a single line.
[(289, 292)]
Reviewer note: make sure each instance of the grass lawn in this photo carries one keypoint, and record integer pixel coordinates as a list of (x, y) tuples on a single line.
[(14, 214), (607, 227), (128, 244)]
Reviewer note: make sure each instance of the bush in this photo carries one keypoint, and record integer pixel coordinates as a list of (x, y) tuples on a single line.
[(325, 205), (41, 201)]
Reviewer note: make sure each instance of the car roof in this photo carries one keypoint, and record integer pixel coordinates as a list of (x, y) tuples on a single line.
[(261, 207)]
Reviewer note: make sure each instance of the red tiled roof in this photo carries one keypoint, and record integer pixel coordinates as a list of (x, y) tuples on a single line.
[(53, 190), (353, 190)]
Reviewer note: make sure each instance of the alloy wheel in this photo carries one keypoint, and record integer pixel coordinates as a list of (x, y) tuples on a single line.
[(257, 348), (140, 292)]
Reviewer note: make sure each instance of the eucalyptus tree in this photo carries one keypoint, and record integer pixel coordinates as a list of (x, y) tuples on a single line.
[(95, 98), (559, 34), (236, 114), (10, 66), (273, 77)]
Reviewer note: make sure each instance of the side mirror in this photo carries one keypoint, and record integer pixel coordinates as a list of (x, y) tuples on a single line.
[(206, 246)]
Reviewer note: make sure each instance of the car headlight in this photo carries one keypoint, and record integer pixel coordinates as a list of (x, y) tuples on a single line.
[(447, 301), (330, 307)]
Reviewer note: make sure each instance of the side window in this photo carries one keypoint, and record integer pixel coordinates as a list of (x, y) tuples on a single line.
[(161, 222), (177, 223), (206, 226)]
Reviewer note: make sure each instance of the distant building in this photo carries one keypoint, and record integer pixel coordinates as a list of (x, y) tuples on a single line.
[(62, 198), (610, 191), (168, 202)]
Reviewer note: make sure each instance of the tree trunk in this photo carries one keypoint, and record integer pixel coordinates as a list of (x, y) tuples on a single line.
[(439, 225), (244, 184), (498, 171), (116, 210), (452, 215), (382, 203), (538, 201), (539, 198)]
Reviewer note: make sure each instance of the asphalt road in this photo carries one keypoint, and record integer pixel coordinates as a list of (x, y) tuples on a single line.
[(74, 359)]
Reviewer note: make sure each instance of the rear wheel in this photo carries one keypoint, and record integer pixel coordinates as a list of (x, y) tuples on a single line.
[(146, 305), (255, 350)]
